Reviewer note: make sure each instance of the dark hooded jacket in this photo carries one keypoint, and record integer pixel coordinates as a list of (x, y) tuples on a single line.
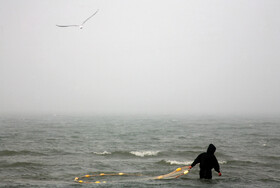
[(207, 161)]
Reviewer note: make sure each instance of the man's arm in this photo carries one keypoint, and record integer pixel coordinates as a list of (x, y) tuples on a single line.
[(197, 160), (216, 166)]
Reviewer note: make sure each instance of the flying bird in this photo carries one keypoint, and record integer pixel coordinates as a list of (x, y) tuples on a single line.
[(80, 26)]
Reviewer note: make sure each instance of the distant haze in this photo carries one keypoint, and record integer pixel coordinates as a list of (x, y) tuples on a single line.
[(151, 57)]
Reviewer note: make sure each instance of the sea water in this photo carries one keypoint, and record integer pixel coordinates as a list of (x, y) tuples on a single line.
[(51, 150)]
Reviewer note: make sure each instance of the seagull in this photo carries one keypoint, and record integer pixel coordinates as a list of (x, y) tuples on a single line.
[(80, 26)]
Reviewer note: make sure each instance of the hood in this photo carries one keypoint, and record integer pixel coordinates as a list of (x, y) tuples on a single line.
[(211, 149)]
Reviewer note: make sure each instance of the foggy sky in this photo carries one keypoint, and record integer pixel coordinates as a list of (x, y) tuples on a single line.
[(140, 56)]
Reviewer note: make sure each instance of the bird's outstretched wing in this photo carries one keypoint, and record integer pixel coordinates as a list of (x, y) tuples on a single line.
[(89, 17), (67, 25)]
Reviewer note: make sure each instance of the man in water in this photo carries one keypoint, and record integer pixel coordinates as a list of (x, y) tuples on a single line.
[(207, 161)]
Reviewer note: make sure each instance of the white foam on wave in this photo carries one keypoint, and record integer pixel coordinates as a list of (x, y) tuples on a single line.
[(222, 162), (103, 153), (144, 153), (173, 162)]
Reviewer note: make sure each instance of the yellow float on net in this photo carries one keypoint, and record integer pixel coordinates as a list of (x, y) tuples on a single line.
[(121, 174), (87, 176), (97, 182), (178, 169), (186, 172), (81, 181), (159, 177), (102, 174)]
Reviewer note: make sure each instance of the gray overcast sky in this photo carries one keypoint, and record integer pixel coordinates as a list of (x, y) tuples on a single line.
[(140, 56)]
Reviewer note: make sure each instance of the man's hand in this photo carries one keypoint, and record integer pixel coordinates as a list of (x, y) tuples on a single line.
[(220, 174), (190, 167)]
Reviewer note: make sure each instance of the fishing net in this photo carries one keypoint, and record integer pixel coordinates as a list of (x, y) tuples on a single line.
[(175, 174), (103, 177)]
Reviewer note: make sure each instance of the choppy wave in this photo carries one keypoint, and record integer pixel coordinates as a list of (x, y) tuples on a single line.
[(103, 153), (57, 152), (222, 162), (173, 162), (23, 152), (144, 153), (129, 153), (21, 164)]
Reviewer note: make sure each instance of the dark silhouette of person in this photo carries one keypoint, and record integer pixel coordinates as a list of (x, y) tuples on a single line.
[(207, 161)]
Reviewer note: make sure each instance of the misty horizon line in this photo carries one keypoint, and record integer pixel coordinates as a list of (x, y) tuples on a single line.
[(139, 114)]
